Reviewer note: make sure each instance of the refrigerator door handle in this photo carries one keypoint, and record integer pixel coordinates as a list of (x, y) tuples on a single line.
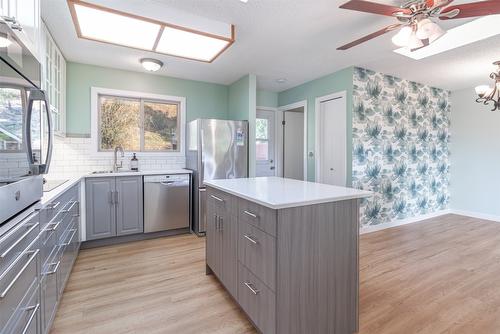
[(38, 95)]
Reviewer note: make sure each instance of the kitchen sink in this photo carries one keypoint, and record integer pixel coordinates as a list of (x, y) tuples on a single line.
[(112, 172)]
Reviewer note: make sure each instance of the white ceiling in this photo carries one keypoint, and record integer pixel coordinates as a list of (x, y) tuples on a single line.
[(292, 39)]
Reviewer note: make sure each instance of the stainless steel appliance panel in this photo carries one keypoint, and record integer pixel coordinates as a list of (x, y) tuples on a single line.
[(166, 202), (224, 153)]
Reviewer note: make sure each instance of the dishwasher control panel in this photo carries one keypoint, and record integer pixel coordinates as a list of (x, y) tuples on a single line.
[(167, 178)]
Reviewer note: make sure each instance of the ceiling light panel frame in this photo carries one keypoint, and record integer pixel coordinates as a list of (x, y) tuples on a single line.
[(162, 26)]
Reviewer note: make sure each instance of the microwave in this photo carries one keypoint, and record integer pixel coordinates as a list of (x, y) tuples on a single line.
[(26, 134)]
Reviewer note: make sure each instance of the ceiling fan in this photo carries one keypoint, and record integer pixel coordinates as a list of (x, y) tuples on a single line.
[(417, 29)]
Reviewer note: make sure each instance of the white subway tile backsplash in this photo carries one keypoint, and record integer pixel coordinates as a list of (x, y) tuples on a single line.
[(72, 157)]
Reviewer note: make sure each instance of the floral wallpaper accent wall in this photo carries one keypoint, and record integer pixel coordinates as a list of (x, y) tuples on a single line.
[(400, 146)]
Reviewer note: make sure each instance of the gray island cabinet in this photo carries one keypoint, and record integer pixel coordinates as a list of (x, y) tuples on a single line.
[(287, 251)]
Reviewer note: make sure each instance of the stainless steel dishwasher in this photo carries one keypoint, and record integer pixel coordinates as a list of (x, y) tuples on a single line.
[(166, 202)]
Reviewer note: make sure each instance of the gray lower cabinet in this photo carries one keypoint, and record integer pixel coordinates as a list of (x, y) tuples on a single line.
[(114, 206), (100, 209), (36, 260), (292, 270)]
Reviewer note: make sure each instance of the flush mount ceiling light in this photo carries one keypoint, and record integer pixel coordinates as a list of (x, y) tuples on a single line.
[(490, 95), (150, 64), (102, 24)]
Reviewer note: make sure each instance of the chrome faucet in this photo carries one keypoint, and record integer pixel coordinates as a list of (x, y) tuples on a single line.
[(116, 166)]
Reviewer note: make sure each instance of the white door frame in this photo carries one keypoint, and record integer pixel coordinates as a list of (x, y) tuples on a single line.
[(277, 124), (282, 109), (343, 96)]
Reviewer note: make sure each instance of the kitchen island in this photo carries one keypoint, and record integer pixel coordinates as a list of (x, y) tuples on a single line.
[(287, 251)]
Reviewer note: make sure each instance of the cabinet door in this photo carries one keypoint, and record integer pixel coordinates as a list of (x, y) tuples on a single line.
[(129, 205), (229, 251), (212, 237), (100, 219), (27, 15)]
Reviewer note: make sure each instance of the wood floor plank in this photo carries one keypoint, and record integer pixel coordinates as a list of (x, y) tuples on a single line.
[(438, 276)]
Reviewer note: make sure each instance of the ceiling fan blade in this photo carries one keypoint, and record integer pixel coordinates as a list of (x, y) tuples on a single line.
[(370, 36), (374, 8), (481, 8)]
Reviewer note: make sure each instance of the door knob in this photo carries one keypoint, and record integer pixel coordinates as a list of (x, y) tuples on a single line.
[(331, 169), (271, 168)]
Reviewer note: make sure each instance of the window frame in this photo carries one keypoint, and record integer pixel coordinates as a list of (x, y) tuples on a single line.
[(96, 92)]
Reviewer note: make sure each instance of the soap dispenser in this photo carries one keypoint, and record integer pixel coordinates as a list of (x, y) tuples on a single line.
[(134, 164)]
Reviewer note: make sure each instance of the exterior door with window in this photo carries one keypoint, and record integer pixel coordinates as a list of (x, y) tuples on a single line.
[(265, 143)]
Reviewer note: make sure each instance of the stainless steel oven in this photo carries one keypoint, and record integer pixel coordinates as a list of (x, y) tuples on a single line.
[(25, 126)]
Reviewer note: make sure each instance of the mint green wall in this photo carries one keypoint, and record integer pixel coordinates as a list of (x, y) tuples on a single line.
[(267, 99), (203, 100), (332, 83), (475, 158), (242, 102)]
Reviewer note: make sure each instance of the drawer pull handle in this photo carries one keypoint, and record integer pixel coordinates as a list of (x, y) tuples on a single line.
[(70, 207), (32, 316), (221, 224), (71, 238), (18, 227), (54, 226), (217, 198), (251, 287), (4, 254), (56, 268), (11, 284), (252, 240), (253, 215), (52, 206)]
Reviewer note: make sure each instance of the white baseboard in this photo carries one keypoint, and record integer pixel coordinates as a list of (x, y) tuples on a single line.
[(399, 222), (476, 215)]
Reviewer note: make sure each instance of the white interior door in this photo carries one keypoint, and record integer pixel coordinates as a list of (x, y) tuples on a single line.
[(293, 144), (265, 137), (332, 142)]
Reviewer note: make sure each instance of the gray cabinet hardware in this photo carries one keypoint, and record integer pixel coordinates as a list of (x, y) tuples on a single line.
[(18, 227), (9, 19), (34, 310), (252, 288), (216, 219), (116, 197), (72, 205), (221, 224), (253, 240), (217, 198), (4, 254), (53, 206), (70, 238), (110, 196), (56, 268), (248, 213), (16, 26), (11, 284), (53, 226)]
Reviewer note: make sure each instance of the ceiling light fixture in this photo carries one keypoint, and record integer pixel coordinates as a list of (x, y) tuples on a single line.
[(489, 94), (419, 32), (102, 24), (151, 65), (473, 31), (4, 40)]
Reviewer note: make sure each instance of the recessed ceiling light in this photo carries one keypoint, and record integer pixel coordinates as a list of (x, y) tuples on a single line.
[(151, 64), (477, 30), (108, 25), (187, 44), (281, 80)]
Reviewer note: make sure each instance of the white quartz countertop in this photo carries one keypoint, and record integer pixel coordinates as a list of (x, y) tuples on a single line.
[(54, 193), (280, 193)]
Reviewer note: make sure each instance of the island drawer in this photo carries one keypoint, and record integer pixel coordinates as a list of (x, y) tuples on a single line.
[(224, 202), (257, 300), (257, 215), (257, 251)]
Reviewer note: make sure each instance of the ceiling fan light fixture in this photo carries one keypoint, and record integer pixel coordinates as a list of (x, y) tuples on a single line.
[(438, 33), (403, 36), (426, 28), (414, 42)]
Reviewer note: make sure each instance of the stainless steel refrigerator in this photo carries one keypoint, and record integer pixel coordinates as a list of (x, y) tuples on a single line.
[(216, 149)]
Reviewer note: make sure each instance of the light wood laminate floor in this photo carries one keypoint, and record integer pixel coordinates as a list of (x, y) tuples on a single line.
[(439, 276)]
